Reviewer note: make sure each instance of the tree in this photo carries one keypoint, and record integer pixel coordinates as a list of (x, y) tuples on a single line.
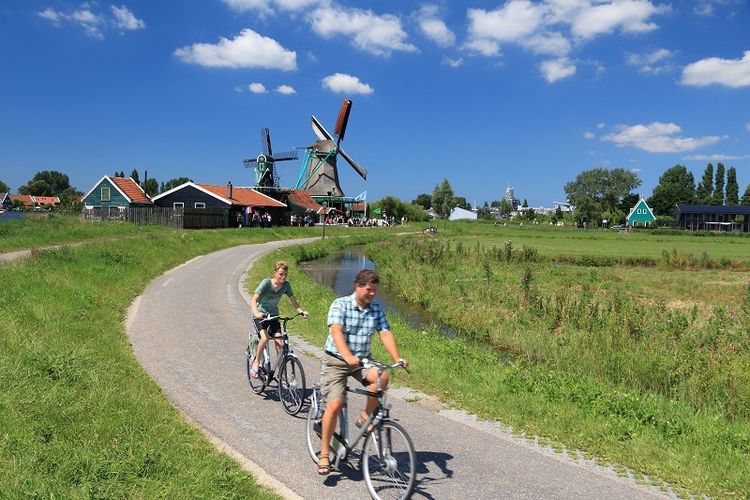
[(495, 203), (424, 200), (525, 203), (134, 176), (733, 189), (484, 213), (397, 208), (718, 196), (173, 183), (505, 207), (704, 191), (442, 199), (4, 188), (746, 197), (460, 201), (46, 183), (599, 189), (70, 200), (676, 186), (151, 187)]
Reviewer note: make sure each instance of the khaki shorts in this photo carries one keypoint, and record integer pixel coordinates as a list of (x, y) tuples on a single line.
[(333, 375)]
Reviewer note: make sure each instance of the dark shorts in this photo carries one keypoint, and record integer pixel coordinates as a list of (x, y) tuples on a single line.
[(272, 327)]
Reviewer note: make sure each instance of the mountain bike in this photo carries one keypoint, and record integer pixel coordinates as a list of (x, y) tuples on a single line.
[(387, 460), (286, 369)]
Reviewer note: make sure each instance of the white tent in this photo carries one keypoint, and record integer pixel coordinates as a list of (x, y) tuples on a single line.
[(459, 213)]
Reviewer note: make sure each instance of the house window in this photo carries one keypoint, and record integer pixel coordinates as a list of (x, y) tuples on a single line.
[(200, 204), (105, 194), (178, 206)]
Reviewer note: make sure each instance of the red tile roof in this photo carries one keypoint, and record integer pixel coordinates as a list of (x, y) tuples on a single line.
[(131, 189), (47, 200), (26, 199), (246, 197), (303, 200)]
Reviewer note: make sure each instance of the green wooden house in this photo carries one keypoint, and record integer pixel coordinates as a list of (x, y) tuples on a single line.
[(112, 195), (640, 215)]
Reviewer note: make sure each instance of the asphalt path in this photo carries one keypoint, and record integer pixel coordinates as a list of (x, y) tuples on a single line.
[(189, 332)]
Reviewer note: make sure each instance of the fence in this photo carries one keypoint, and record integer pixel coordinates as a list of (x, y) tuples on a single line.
[(165, 216)]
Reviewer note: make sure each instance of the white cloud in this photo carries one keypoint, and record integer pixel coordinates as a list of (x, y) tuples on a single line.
[(657, 137), (257, 88), (434, 28), (747, 126), (730, 72), (125, 19), (625, 15), (94, 23), (246, 50), (285, 89), (346, 84), (557, 69), (555, 28), (262, 7), (51, 15), (453, 63), (379, 35), (589, 135), (482, 46), (653, 62), (511, 22), (715, 157)]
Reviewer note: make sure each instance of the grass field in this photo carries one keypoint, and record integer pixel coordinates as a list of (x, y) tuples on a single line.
[(643, 366), (646, 367)]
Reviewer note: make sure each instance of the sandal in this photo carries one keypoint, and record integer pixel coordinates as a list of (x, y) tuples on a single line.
[(254, 372), (324, 468)]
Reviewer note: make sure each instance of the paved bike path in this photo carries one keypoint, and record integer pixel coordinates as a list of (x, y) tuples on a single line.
[(189, 331)]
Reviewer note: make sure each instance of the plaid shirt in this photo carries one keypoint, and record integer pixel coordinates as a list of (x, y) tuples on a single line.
[(358, 324)]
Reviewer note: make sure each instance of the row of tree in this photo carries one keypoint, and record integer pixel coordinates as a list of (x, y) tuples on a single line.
[(53, 183)]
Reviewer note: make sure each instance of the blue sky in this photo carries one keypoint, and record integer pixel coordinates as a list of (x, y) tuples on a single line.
[(483, 93)]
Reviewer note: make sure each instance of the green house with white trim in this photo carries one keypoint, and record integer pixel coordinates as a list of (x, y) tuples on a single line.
[(640, 215)]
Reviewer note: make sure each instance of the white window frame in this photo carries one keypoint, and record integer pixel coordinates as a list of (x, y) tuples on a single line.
[(106, 189), (178, 205), (200, 204)]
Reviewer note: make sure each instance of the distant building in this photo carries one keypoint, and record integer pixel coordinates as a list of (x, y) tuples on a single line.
[(514, 202), (459, 213), (112, 196), (713, 218), (6, 202), (640, 215)]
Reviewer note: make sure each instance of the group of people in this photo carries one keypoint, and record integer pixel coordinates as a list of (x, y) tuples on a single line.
[(256, 219), (352, 321)]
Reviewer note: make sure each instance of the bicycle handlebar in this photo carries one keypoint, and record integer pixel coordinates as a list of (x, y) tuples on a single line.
[(280, 318)]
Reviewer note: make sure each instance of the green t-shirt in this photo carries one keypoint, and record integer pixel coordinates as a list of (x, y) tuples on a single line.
[(268, 302)]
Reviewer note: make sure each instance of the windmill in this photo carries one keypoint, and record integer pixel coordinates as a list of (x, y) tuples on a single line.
[(263, 163), (319, 175)]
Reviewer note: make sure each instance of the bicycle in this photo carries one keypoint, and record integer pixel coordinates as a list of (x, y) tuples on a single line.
[(287, 370), (388, 460)]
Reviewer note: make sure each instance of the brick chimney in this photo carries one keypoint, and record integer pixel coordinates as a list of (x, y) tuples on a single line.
[(229, 190)]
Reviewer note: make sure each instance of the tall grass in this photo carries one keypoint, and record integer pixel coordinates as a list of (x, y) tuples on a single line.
[(704, 451)]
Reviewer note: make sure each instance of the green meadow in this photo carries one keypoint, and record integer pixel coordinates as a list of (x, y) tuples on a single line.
[(632, 348), (640, 359)]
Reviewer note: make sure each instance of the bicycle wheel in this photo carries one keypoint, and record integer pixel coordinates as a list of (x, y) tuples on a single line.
[(313, 429), (389, 462), (291, 385), (256, 384)]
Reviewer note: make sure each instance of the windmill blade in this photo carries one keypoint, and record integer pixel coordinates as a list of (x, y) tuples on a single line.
[(250, 163), (265, 142), (356, 166), (320, 130), (343, 119), (288, 155)]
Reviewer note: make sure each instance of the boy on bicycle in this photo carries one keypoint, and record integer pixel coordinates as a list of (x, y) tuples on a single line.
[(265, 301), (352, 320)]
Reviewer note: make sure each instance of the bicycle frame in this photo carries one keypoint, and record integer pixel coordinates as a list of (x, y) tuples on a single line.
[(283, 352)]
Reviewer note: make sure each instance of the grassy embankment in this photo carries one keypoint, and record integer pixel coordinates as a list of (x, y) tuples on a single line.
[(78, 415), (647, 366)]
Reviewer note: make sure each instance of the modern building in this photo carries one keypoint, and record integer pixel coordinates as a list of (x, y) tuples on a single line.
[(713, 218)]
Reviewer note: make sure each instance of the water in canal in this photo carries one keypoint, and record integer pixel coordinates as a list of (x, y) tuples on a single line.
[(337, 272)]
